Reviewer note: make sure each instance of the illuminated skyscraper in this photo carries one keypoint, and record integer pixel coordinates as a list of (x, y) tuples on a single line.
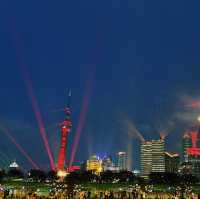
[(146, 159), (191, 150), (122, 161), (186, 143), (152, 157), (194, 159), (158, 158)]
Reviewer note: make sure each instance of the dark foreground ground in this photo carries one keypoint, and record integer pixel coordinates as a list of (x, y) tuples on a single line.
[(22, 189)]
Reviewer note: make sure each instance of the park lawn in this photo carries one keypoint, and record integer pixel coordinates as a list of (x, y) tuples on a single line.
[(27, 185), (107, 186)]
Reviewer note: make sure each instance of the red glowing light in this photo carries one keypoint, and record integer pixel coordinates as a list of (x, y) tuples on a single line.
[(194, 138), (19, 147), (61, 157), (74, 168), (193, 151), (195, 104), (65, 129)]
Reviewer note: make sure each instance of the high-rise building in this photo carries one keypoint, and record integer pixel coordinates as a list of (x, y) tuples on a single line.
[(108, 165), (152, 157), (172, 162), (122, 161), (145, 159), (186, 143), (158, 158), (194, 159), (198, 135), (191, 150)]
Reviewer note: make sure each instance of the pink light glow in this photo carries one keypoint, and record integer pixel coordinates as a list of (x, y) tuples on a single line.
[(193, 103), (29, 87), (19, 147), (38, 115)]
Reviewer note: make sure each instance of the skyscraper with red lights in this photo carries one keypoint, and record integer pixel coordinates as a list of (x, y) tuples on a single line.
[(65, 127), (191, 150)]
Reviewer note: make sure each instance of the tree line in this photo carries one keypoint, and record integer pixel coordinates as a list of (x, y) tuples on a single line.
[(79, 177)]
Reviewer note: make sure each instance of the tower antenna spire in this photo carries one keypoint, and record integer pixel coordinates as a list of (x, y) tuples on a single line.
[(69, 98)]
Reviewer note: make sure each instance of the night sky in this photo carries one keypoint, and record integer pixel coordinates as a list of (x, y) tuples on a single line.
[(132, 60)]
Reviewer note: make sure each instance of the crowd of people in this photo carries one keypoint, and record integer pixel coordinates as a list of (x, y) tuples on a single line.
[(64, 194)]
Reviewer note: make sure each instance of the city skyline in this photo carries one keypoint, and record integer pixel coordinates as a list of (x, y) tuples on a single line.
[(152, 153)]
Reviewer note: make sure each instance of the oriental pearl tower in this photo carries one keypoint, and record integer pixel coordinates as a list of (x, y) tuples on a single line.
[(65, 128)]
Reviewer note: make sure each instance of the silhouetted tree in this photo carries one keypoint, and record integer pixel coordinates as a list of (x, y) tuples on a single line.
[(81, 176), (107, 176), (52, 175), (189, 179), (70, 180), (125, 176), (15, 173), (140, 180), (172, 178), (164, 178), (37, 175), (2, 174)]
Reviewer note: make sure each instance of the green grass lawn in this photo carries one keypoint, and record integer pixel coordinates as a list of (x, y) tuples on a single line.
[(27, 185), (106, 186)]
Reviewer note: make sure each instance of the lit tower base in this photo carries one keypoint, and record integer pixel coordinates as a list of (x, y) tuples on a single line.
[(65, 129)]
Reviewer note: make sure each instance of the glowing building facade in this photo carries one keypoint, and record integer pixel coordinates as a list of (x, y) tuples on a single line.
[(145, 159), (152, 157), (94, 164), (158, 158)]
